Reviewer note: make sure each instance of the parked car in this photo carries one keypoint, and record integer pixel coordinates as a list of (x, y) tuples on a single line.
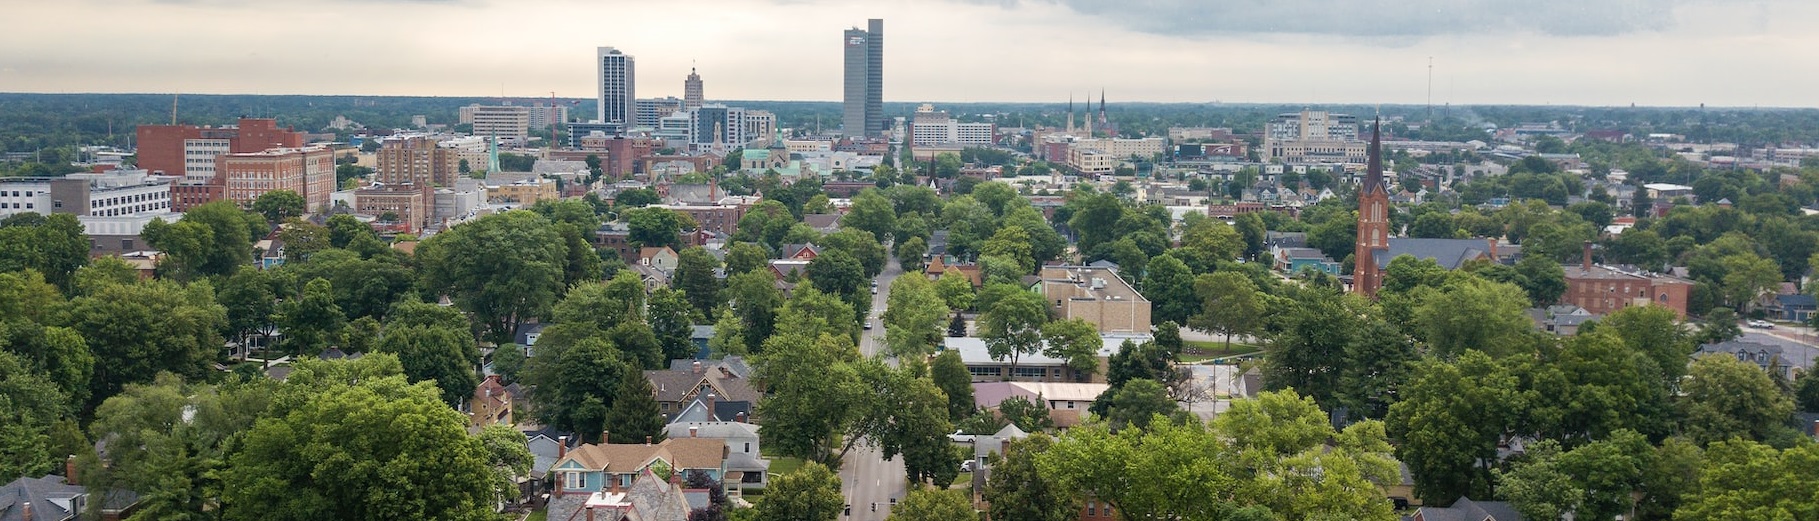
[(1761, 324), (967, 466)]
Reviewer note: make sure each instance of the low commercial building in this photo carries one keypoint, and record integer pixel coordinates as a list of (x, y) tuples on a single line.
[(524, 191), (1036, 367), (106, 194), (1604, 289), (1096, 295)]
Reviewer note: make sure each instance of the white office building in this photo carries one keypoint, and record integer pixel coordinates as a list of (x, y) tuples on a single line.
[(617, 80)]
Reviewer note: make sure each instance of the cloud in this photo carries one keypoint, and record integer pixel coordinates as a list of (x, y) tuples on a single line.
[(1393, 19)]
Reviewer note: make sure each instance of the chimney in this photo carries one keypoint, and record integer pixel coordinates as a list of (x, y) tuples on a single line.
[(1587, 263), (711, 414), (25, 511), (697, 367), (603, 436), (647, 441), (1492, 241), (561, 446), (69, 470), (590, 513), (675, 478), (694, 431), (740, 416)]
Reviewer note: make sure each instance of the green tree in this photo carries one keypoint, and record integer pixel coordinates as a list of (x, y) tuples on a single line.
[(1134, 403), (1230, 305), (1075, 340), (504, 268), (909, 417), (1595, 386), (1435, 225), (950, 375), (861, 245), (1449, 422), (672, 320), (1012, 324), (1169, 286), (29, 404), (1542, 278), (956, 289), (1473, 313), (105, 271), (1012, 243), (910, 252), (139, 330), (924, 504), (838, 273), (1743, 479), (742, 257), (429, 466), (310, 321), (634, 414), (1727, 398), (251, 300), (575, 384), (508, 455), (446, 357), (54, 246), (1206, 242), (656, 227), (1027, 415), (279, 205), (913, 316), (695, 277), (754, 299), (813, 392), (872, 213), (58, 353), (1747, 276), (1657, 332), (211, 239), (811, 493)]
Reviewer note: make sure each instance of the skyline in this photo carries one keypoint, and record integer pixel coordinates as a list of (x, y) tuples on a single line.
[(1674, 53)]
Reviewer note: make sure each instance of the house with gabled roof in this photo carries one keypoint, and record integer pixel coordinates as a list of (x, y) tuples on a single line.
[(714, 382), (603, 474)]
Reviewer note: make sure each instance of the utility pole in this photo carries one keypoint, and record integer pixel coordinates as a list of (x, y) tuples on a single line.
[(1430, 89)]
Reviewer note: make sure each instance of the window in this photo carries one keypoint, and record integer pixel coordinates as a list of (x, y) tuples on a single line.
[(1031, 372), (748, 447), (574, 480), (1070, 404)]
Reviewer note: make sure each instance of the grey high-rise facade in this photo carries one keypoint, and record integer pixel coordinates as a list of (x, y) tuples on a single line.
[(865, 80), (617, 80)]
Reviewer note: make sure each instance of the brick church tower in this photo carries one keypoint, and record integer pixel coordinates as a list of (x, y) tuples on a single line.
[(1373, 221)]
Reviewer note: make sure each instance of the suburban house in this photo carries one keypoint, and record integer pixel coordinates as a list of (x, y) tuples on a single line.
[(1036, 367), (722, 386), (52, 498), (1560, 319), (1467, 510), (546, 446), (1066, 402), (825, 223), (1097, 295), (1793, 307), (1292, 261), (1769, 357), (783, 268), (490, 404), (801, 252), (745, 468), (636, 481), (661, 258), (941, 264)]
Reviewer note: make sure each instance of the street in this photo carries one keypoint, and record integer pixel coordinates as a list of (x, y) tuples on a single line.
[(865, 477)]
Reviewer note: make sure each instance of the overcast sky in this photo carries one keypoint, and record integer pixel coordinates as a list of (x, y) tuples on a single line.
[(1581, 52)]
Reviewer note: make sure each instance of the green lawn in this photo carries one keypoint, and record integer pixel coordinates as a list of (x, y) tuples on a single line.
[(782, 466), (537, 516)]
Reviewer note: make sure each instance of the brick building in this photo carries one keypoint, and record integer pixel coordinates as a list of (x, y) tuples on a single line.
[(417, 161), (308, 171), (1603, 289), (721, 219), (192, 152), (407, 201), (1096, 295)]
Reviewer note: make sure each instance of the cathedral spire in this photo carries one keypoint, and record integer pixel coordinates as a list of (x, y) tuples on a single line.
[(1373, 175)]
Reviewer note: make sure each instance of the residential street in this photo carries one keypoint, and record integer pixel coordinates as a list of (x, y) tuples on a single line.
[(865, 477)]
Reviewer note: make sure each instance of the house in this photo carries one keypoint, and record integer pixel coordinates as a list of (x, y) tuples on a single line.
[(490, 404), (1561, 320), (651, 277), (634, 481), (661, 258), (53, 498), (1066, 402), (941, 264), (745, 468), (1292, 261), (984, 446), (825, 223), (1769, 357), (1793, 308), (801, 252), (699, 335), (1467, 510), (546, 446), (783, 268), (1603, 289), (724, 383)]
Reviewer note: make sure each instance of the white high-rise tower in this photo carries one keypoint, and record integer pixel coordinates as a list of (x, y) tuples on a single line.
[(617, 80)]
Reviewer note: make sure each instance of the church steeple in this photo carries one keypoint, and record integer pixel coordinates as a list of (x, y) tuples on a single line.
[(1373, 220)]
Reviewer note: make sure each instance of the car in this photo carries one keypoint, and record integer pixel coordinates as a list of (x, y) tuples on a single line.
[(967, 466), (868, 325), (874, 290), (1761, 324)]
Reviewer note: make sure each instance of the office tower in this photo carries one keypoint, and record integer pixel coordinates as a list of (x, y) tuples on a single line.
[(511, 123), (617, 86), (691, 91), (864, 114)]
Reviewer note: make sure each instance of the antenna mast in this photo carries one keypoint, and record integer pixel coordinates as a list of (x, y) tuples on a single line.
[(173, 109), (1430, 89)]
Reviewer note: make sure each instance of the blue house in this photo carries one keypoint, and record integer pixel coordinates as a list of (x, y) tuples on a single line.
[(1292, 261), (603, 474), (1794, 308)]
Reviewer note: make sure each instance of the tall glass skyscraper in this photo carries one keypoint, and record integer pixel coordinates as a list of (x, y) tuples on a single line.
[(618, 99), (864, 80)]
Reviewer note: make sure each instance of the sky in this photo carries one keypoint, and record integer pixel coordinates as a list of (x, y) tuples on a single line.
[(1537, 52)]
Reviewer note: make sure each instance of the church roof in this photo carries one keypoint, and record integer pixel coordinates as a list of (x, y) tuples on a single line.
[(1373, 177)]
